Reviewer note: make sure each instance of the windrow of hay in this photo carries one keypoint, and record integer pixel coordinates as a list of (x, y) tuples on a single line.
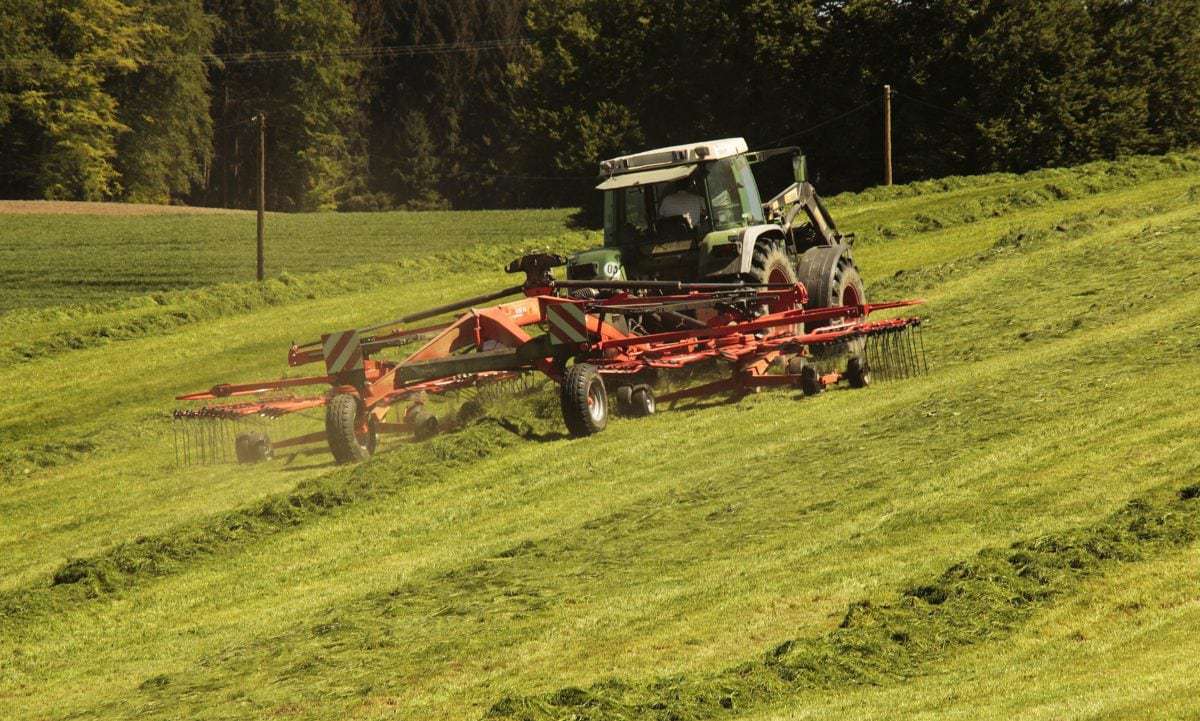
[(977, 600), (1032, 190), (412, 464)]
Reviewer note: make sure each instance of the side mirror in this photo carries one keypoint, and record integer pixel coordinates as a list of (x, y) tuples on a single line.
[(800, 168)]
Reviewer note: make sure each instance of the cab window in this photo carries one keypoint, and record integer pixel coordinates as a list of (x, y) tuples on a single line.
[(724, 195), (625, 217), (748, 189)]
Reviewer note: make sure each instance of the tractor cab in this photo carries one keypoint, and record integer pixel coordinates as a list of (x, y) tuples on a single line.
[(685, 212), (661, 205)]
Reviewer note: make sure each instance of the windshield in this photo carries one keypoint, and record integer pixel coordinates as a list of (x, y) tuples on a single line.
[(631, 215), (720, 195)]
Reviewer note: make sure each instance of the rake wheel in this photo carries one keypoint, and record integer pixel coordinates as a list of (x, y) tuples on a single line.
[(253, 447), (810, 381), (350, 430), (584, 400), (423, 423), (641, 402), (858, 375)]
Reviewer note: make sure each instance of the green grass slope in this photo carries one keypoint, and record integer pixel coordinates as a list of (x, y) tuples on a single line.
[(66, 259), (1014, 534)]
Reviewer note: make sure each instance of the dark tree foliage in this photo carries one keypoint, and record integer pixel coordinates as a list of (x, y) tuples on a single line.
[(438, 121), (500, 103), (167, 149), (311, 101)]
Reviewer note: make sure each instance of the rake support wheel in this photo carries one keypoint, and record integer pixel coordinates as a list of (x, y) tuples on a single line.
[(858, 375), (810, 381), (253, 447), (423, 423), (641, 402), (350, 430), (584, 400)]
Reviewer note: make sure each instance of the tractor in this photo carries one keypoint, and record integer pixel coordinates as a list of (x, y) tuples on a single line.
[(693, 213)]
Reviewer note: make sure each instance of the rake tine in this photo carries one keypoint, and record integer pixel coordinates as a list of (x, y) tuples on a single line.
[(898, 355), (912, 346), (904, 359), (921, 339), (887, 358), (885, 354), (871, 349)]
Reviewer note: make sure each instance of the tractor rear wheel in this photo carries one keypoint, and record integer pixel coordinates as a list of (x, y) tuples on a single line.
[(584, 400), (349, 429)]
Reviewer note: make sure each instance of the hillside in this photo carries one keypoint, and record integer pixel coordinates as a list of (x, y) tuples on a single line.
[(1014, 534)]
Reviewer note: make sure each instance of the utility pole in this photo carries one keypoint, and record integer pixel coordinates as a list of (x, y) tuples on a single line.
[(887, 134), (262, 186)]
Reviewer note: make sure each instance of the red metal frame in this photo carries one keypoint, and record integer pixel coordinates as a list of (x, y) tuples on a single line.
[(751, 344)]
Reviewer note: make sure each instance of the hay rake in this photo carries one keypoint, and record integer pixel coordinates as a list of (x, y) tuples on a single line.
[(590, 337)]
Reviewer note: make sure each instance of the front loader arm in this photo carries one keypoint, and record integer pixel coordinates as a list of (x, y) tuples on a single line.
[(802, 197)]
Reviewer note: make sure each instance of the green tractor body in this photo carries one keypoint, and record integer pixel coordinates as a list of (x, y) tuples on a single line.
[(694, 213)]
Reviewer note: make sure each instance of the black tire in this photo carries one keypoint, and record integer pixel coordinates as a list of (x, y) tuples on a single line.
[(832, 279), (624, 396), (424, 424), (584, 400), (858, 375), (253, 447), (641, 403), (810, 381), (770, 262), (342, 414)]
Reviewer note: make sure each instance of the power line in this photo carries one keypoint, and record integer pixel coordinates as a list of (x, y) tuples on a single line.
[(265, 57), (828, 121), (497, 176), (926, 103)]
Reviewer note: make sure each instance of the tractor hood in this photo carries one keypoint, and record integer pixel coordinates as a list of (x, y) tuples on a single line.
[(647, 177)]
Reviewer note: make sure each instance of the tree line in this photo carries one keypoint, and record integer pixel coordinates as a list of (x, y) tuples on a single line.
[(374, 104)]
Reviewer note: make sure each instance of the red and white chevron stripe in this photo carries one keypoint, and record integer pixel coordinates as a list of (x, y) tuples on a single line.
[(342, 351), (566, 323)]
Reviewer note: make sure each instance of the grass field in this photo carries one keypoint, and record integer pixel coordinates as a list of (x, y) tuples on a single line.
[(1014, 535), (65, 259)]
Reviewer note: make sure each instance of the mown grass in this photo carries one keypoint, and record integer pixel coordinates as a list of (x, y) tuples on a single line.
[(57, 260), (490, 571)]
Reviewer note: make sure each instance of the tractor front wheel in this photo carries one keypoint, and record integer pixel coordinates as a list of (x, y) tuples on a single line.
[(584, 400), (351, 431)]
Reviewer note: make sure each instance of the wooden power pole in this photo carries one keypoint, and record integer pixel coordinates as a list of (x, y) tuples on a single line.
[(887, 134), (262, 187)]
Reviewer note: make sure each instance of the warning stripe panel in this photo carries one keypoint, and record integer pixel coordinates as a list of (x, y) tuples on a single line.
[(342, 351), (566, 323)]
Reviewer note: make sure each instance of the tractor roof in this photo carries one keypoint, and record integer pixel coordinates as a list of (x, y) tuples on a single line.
[(674, 155)]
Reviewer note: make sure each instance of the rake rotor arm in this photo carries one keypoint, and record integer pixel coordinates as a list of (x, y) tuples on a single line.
[(773, 320)]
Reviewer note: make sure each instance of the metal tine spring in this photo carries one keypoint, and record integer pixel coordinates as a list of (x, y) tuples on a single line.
[(896, 353)]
